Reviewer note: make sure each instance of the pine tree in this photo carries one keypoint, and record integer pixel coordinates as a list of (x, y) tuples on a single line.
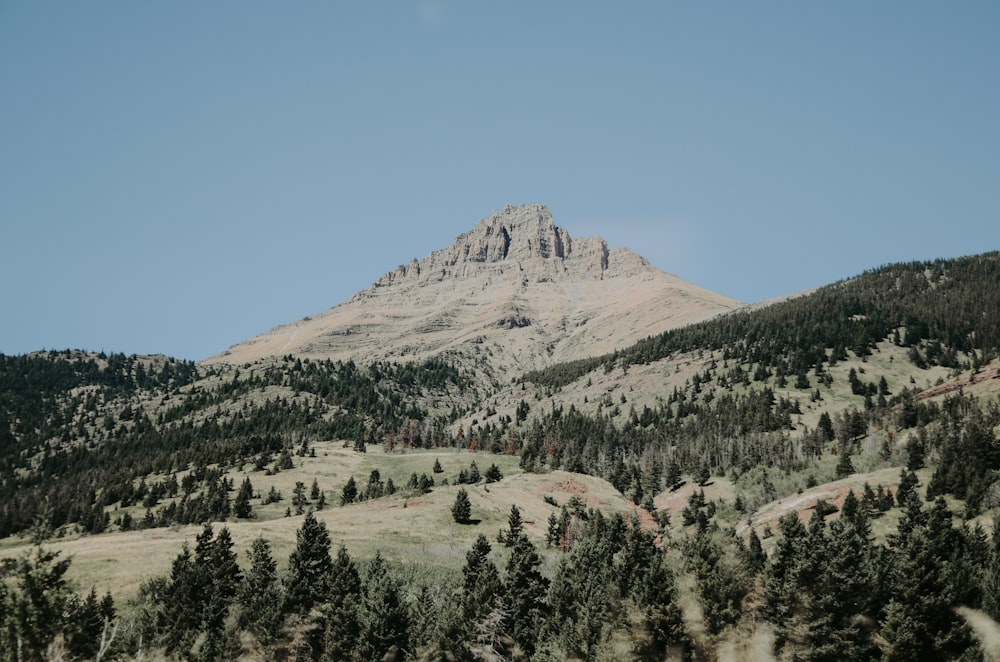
[(183, 602), (991, 575), (552, 536), (704, 475), (344, 599), (524, 591), (384, 617), (84, 625), (916, 450), (299, 497), (493, 474), (241, 506), (309, 566), (756, 558), (37, 607), (919, 622), (840, 596), (673, 475), (825, 427), (581, 598), (723, 582), (223, 579), (481, 580), (514, 528), (260, 593), (844, 465), (349, 493), (461, 510), (783, 599)]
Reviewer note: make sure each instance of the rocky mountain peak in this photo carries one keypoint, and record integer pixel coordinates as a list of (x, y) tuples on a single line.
[(512, 294), (523, 237), (519, 234)]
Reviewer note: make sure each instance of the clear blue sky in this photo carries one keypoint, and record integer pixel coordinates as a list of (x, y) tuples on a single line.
[(178, 176)]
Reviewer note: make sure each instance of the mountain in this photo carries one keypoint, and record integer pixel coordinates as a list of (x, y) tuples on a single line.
[(516, 289)]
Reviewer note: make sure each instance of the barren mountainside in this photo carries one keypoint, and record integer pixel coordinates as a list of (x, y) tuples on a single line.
[(516, 289)]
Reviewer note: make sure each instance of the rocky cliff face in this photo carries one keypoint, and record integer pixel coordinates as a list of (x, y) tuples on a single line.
[(524, 238), (514, 293)]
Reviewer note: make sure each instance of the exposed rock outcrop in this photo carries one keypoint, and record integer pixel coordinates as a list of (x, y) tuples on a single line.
[(525, 238)]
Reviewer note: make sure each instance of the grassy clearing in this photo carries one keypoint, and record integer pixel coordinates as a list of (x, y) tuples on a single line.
[(415, 529)]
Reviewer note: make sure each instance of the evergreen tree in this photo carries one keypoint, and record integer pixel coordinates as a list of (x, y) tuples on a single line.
[(375, 487), (223, 579), (85, 624), (36, 610), (581, 597), (783, 600), (844, 465), (723, 581), (493, 474), (183, 602), (461, 510), (524, 592), (919, 622), (299, 497), (259, 595), (916, 449), (384, 617), (481, 580), (756, 558), (309, 566), (991, 574), (241, 506), (437, 467), (552, 533), (514, 528), (673, 475), (344, 600), (349, 493), (839, 594), (825, 427), (704, 475)]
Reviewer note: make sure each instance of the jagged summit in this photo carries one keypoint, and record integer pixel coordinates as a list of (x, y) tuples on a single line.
[(514, 293), (524, 237)]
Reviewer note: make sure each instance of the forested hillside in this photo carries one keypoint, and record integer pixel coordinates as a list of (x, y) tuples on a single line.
[(79, 430), (890, 373), (938, 309), (762, 369)]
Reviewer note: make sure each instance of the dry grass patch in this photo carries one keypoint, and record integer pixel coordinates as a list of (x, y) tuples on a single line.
[(408, 529)]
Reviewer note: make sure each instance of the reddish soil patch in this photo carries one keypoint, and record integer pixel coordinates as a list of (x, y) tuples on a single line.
[(958, 384), (646, 520), (570, 486)]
